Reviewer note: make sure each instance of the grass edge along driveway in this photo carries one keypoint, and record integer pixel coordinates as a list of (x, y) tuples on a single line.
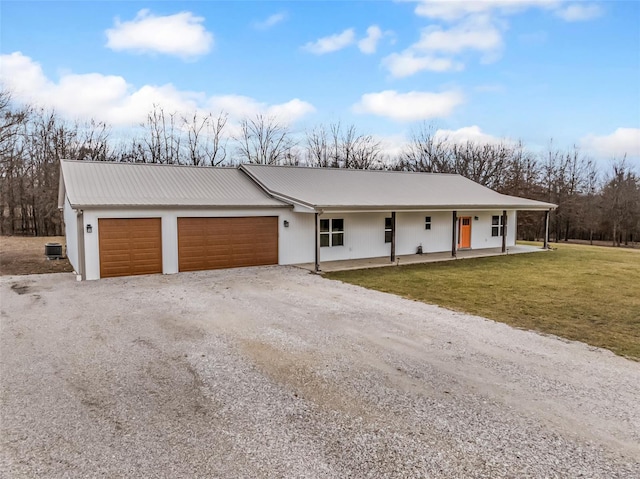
[(582, 293)]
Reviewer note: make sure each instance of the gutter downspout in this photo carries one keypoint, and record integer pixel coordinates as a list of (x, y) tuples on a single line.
[(80, 234)]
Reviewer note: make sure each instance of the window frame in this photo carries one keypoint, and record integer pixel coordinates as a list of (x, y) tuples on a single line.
[(332, 233), (427, 223), (497, 226), (388, 229)]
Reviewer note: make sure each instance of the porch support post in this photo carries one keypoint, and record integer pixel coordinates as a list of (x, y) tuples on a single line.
[(393, 236), (504, 231), (546, 230), (454, 245), (317, 266)]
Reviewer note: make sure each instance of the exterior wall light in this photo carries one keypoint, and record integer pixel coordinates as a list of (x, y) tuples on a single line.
[(286, 224), (476, 218), (89, 228)]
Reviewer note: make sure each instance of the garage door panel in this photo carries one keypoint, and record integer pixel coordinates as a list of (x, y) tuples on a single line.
[(144, 258), (213, 243), (143, 243), (130, 246)]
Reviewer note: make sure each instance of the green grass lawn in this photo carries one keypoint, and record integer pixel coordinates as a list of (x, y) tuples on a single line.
[(583, 293)]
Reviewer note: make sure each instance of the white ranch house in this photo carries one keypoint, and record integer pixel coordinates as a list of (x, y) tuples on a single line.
[(125, 219)]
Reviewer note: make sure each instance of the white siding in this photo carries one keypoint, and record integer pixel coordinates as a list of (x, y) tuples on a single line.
[(297, 243), (411, 232), (71, 233)]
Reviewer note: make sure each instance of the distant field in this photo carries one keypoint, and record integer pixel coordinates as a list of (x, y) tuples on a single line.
[(583, 293), (25, 255)]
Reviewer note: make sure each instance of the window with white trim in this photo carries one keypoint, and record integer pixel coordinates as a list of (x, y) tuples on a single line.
[(388, 230), (497, 226), (427, 222), (332, 232)]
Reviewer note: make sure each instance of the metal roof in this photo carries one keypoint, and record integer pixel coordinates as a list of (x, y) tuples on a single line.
[(342, 189), (98, 183)]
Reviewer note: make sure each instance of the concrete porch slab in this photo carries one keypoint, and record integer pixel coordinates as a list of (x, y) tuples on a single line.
[(365, 263)]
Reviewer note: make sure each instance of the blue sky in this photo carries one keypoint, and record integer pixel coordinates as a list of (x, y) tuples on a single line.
[(514, 69)]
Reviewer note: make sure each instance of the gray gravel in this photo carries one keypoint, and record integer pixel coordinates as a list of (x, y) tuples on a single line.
[(275, 372)]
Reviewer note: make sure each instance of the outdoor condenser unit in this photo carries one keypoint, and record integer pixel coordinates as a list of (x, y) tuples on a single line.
[(53, 250)]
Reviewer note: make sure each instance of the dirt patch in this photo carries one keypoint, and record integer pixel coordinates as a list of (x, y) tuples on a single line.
[(25, 255)]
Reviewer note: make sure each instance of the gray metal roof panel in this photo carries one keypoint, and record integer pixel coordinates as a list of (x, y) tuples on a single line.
[(103, 184), (341, 189)]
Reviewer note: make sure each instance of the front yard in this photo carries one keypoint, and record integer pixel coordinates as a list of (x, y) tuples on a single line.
[(582, 293)]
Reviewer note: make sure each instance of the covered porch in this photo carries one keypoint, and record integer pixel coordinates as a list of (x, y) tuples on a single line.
[(365, 263)]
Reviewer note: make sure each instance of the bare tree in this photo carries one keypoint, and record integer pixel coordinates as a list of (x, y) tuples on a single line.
[(621, 201), (93, 138), (523, 178), (206, 145), (162, 138), (484, 163), (342, 148), (318, 148), (12, 166), (360, 151), (263, 140), (427, 153), (590, 205)]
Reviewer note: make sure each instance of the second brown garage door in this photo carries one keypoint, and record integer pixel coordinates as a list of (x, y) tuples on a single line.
[(213, 243)]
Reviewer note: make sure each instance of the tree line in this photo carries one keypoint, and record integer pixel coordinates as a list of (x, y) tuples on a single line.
[(592, 204)]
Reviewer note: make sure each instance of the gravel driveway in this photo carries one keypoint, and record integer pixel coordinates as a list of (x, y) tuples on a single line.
[(275, 372)]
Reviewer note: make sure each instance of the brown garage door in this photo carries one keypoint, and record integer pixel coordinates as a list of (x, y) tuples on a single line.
[(130, 246), (213, 243)]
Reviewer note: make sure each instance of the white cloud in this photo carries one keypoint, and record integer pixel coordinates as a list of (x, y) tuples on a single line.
[(405, 64), (437, 47), (238, 107), (331, 43), (369, 44), (477, 34), (472, 134), (291, 110), (110, 98), (617, 144), (181, 35), (271, 21), (392, 146), (579, 12), (450, 10), (411, 106), (473, 25)]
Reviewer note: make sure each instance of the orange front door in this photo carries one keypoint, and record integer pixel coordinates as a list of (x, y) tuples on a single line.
[(464, 230)]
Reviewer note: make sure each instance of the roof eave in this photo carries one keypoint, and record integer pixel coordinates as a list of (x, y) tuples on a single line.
[(174, 206), (373, 208)]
